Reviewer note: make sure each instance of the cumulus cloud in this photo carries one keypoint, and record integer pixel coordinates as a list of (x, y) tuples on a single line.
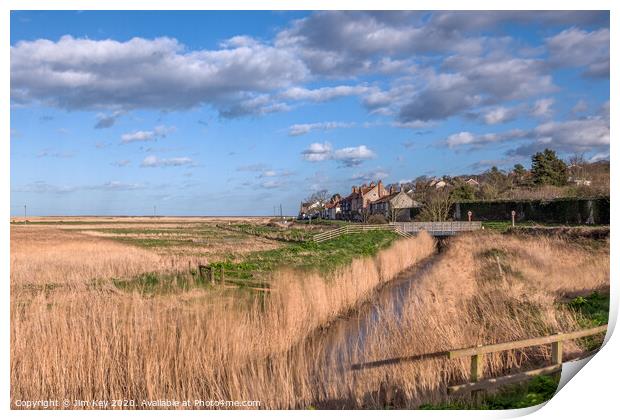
[(322, 94), (160, 131), (347, 156), (499, 115), (301, 129), (353, 156), (589, 134), (471, 81), (440, 64), (107, 120), (155, 162), (575, 47), (160, 73), (317, 152), (465, 138), (543, 108), (575, 135)]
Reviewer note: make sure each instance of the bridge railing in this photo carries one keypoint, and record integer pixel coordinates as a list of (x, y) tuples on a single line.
[(443, 228)]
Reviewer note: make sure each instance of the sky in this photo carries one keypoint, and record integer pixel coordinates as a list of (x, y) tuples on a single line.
[(237, 113)]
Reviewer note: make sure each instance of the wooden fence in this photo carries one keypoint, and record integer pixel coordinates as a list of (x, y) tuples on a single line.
[(405, 229), (477, 355), (357, 228)]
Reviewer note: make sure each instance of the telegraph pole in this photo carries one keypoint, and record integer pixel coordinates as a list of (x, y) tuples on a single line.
[(280, 211)]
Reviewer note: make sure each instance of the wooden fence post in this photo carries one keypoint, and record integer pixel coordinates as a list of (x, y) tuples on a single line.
[(222, 273), (476, 367), (211, 275), (556, 353)]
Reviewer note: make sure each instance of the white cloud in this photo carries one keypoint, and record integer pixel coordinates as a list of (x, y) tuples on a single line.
[(347, 156), (543, 108), (160, 131), (575, 47), (153, 161), (317, 152), (498, 115), (459, 139), (107, 120), (581, 134), (353, 156), (301, 129), (322, 94), (160, 73), (465, 138)]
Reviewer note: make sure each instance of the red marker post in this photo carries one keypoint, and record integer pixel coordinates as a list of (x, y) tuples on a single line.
[(513, 213), (469, 213)]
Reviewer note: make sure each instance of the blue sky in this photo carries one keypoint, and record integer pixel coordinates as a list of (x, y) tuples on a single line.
[(233, 113)]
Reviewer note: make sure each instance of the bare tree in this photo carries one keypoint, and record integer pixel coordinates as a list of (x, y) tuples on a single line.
[(437, 206), (364, 214), (320, 199), (394, 213)]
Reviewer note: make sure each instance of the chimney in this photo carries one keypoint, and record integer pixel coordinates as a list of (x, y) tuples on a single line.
[(381, 190), (372, 184), (353, 189)]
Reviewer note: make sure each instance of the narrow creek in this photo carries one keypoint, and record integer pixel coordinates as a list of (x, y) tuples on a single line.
[(347, 337)]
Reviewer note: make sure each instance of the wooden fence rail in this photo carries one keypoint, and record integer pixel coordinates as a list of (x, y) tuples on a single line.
[(478, 353), (357, 228), (405, 229)]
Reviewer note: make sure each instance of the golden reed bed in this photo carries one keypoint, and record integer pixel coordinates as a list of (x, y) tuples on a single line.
[(85, 343)]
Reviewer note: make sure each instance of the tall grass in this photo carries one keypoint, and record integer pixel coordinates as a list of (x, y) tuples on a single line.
[(103, 344), (484, 289), (291, 348)]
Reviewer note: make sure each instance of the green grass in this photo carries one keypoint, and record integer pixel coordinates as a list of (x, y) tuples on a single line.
[(271, 232), (592, 311), (536, 391), (251, 271), (505, 225), (324, 256)]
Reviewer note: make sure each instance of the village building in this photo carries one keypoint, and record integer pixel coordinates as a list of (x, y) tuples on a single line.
[(310, 210), (472, 182), (360, 198), (396, 206), (438, 183)]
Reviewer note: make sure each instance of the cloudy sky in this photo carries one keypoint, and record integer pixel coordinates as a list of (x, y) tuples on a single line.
[(237, 112)]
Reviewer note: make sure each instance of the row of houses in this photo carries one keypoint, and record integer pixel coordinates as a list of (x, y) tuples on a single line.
[(363, 201)]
